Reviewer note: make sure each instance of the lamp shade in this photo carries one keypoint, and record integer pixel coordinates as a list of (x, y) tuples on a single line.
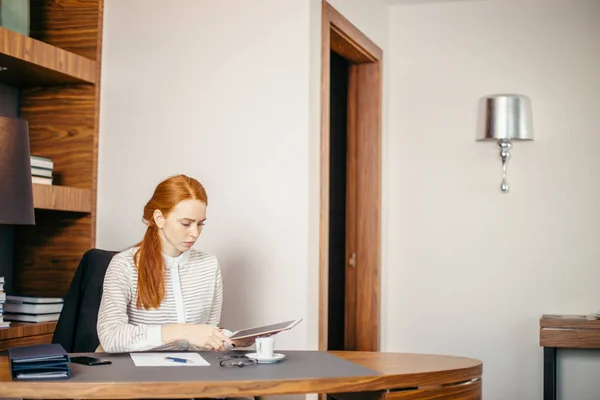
[(505, 116), (16, 191)]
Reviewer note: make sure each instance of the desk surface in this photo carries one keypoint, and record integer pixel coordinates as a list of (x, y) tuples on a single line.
[(390, 371)]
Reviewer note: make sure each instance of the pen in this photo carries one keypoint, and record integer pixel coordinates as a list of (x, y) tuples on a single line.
[(179, 360)]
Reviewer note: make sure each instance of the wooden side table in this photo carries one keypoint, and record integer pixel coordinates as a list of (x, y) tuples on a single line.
[(566, 332)]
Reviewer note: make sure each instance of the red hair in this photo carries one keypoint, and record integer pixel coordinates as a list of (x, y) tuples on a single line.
[(148, 258)]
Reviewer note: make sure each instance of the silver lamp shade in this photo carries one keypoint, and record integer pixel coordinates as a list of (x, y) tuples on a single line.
[(505, 118), (16, 190)]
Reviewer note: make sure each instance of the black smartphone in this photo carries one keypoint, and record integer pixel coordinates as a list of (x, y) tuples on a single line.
[(84, 360)]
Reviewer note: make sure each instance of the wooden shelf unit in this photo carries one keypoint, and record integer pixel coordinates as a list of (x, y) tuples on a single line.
[(57, 69)]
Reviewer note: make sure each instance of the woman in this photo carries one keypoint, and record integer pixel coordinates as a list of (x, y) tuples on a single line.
[(161, 292)]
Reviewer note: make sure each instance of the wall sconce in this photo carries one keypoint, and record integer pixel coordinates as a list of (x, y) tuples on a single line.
[(504, 118)]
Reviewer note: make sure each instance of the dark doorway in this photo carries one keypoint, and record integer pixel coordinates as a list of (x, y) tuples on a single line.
[(338, 130)]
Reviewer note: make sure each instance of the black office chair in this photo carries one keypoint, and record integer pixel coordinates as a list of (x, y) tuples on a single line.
[(76, 327)]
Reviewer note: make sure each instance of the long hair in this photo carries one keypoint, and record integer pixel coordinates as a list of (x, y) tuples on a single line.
[(148, 258)]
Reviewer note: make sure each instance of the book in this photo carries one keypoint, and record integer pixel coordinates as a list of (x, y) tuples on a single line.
[(3, 324), (41, 181), (41, 162), (32, 318), (33, 299), (46, 173), (32, 308)]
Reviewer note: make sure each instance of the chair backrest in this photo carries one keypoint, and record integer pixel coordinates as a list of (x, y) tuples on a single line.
[(76, 327)]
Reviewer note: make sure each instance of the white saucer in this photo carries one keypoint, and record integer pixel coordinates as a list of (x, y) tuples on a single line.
[(266, 360)]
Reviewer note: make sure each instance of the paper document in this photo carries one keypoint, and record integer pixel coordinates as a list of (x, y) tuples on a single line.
[(168, 360), (41, 375)]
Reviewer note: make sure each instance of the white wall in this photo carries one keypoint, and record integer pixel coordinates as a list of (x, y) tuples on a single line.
[(231, 96), (228, 92), (470, 270), (369, 16), (217, 90)]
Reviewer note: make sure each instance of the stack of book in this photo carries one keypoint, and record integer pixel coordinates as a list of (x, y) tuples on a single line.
[(3, 324), (41, 170), (39, 362), (32, 309)]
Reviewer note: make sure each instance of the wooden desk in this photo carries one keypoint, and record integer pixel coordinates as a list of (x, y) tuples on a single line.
[(564, 331), (403, 377)]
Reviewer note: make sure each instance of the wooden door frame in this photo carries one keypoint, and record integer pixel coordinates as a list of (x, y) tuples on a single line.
[(339, 35)]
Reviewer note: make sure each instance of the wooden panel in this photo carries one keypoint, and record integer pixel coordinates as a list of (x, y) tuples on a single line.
[(569, 321), (26, 341), (416, 370), (569, 331), (324, 177), (52, 197), (100, 19), (47, 254), (30, 62), (62, 127), (340, 44), (467, 391), (18, 329), (405, 370), (351, 210), (570, 338), (72, 25), (368, 206)]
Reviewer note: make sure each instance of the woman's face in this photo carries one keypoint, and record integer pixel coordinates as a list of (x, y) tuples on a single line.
[(181, 228)]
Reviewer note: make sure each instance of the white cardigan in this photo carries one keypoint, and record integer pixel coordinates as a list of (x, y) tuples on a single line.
[(193, 294)]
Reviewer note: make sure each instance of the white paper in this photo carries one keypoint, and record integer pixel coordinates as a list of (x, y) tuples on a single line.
[(160, 360)]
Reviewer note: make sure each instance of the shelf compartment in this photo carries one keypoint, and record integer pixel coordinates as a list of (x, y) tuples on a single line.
[(30, 62), (21, 329)]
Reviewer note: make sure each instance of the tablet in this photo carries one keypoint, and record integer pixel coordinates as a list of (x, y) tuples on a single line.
[(265, 329)]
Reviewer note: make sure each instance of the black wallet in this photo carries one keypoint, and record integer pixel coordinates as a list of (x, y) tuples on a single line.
[(39, 362)]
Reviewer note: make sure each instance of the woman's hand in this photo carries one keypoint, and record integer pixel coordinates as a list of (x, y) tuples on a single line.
[(207, 336), (201, 335)]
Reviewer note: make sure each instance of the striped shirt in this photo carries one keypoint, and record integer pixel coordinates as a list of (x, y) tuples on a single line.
[(193, 295)]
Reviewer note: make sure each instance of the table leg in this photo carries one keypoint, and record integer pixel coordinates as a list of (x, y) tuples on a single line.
[(549, 373)]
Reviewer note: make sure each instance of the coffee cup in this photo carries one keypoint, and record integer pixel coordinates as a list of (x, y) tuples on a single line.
[(265, 347)]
